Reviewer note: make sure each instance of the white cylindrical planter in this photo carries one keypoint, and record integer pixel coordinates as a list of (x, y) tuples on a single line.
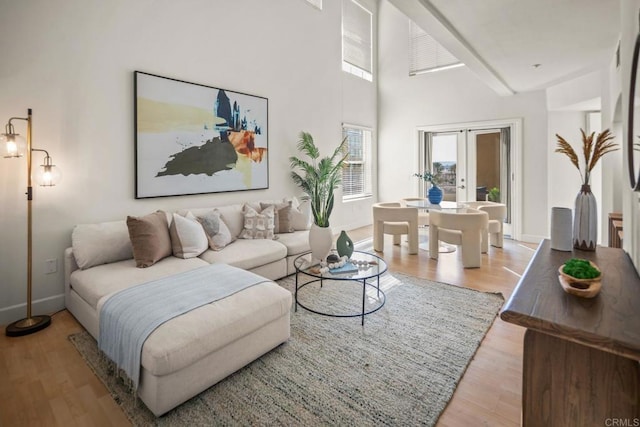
[(561, 229)]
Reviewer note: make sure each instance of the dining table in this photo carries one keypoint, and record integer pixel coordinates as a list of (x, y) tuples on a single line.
[(445, 206)]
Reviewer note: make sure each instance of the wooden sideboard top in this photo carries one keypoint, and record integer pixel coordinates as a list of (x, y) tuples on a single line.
[(610, 321)]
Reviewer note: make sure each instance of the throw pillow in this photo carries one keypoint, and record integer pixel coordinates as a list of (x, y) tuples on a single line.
[(188, 239), (218, 234), (301, 217), (258, 225), (283, 214), (102, 243), (149, 238)]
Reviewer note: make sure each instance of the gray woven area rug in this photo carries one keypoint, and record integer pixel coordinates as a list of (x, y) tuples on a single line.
[(400, 368)]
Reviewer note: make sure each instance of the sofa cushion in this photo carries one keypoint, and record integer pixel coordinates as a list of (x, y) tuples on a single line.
[(188, 239), (296, 242), (102, 243), (101, 280), (247, 254), (183, 341), (150, 238), (217, 231), (258, 224)]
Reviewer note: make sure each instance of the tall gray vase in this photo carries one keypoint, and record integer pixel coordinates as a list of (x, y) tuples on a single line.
[(585, 220)]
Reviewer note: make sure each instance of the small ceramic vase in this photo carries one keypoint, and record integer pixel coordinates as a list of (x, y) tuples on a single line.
[(344, 245)]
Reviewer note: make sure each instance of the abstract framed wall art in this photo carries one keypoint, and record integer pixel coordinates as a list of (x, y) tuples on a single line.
[(197, 139)]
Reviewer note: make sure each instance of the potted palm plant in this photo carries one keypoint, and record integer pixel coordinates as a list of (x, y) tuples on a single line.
[(318, 178)]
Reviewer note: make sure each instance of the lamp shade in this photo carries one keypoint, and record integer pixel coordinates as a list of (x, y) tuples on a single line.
[(13, 145), (47, 175)]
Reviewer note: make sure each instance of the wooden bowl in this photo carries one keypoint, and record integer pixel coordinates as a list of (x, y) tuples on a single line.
[(586, 288)]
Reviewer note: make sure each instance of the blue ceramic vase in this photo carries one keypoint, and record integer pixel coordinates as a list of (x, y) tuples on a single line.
[(435, 195)]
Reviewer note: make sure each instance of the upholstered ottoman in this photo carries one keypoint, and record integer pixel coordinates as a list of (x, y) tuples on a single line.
[(190, 353)]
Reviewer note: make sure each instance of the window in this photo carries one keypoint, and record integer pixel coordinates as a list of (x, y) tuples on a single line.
[(426, 54), (357, 34), (356, 175)]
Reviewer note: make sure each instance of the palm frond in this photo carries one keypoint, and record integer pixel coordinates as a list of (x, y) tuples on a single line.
[(307, 146)]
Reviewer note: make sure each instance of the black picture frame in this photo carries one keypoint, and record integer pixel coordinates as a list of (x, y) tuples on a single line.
[(192, 138)]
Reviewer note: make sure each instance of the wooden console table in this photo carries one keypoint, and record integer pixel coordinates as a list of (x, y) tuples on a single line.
[(581, 356)]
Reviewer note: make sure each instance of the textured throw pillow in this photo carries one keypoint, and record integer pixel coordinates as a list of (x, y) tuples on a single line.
[(283, 214), (258, 225), (218, 233), (149, 238), (188, 239)]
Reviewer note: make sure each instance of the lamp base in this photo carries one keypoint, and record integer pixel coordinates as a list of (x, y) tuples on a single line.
[(28, 326)]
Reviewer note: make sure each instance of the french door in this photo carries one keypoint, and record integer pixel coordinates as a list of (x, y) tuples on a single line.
[(472, 164)]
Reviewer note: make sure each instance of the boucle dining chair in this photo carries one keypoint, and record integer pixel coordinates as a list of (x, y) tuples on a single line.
[(392, 218), (423, 214), (465, 228), (495, 230)]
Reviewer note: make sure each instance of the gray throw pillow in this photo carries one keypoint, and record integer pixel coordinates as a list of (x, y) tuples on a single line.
[(217, 231)]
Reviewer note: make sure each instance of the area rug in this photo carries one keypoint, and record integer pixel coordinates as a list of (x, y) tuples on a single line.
[(400, 368)]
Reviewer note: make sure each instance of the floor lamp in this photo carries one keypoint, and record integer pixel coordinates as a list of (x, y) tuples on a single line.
[(14, 146)]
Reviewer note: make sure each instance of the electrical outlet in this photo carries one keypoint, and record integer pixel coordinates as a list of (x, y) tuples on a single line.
[(51, 266)]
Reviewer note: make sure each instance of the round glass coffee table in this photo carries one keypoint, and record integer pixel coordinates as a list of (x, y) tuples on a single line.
[(367, 275)]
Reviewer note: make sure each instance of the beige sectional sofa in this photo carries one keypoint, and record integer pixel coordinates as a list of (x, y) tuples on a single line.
[(191, 352)]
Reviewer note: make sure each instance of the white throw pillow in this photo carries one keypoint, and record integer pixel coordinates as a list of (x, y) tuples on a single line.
[(188, 238), (102, 243), (217, 231)]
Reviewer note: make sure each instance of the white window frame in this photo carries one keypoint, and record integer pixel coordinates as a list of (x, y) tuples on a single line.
[(367, 161), (353, 40)]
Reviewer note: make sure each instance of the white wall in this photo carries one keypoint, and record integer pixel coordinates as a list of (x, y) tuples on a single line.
[(72, 61), (445, 97), (630, 199), (564, 179)]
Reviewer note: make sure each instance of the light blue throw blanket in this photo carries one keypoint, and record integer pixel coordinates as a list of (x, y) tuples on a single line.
[(128, 317)]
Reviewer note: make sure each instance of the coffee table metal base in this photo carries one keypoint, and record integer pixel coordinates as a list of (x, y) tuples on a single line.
[(382, 298)]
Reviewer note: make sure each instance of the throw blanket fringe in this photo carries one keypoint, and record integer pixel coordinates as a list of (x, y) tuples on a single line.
[(128, 317)]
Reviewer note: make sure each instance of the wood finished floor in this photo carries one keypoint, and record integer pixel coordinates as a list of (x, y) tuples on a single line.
[(45, 382)]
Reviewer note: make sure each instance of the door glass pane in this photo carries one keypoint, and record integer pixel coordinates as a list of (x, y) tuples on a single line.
[(444, 163), (488, 167)]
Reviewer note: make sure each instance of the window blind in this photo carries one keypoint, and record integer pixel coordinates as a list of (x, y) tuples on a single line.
[(356, 35), (425, 53), (356, 175)]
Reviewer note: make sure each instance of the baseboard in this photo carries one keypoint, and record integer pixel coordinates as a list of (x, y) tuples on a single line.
[(42, 306)]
